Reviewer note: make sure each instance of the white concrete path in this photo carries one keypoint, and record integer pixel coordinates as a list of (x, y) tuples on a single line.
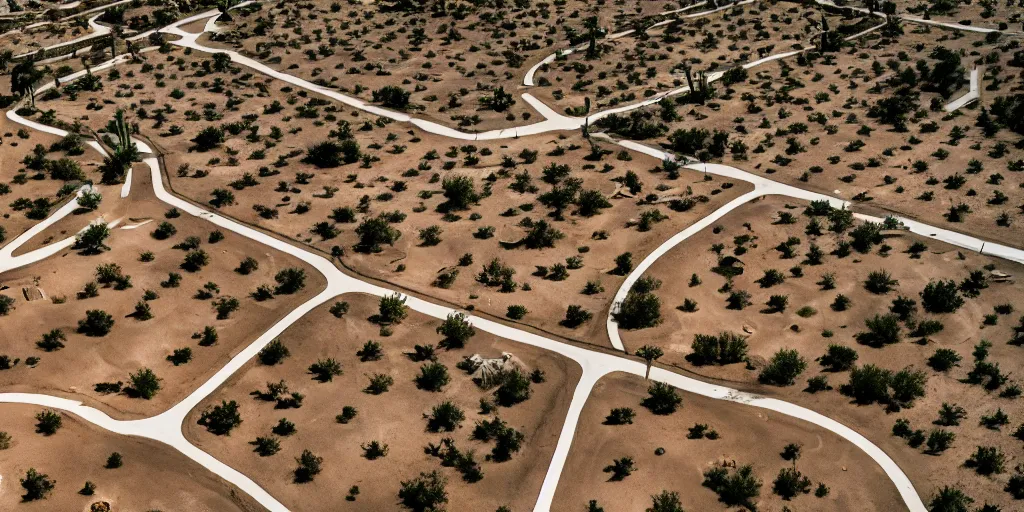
[(166, 427), (95, 30), (763, 187), (971, 95)]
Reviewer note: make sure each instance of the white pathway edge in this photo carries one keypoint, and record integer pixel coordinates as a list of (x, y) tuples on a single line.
[(166, 427)]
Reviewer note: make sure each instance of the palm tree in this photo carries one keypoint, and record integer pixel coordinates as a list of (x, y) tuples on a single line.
[(23, 80), (224, 6), (125, 152), (650, 354), (593, 33), (586, 118)]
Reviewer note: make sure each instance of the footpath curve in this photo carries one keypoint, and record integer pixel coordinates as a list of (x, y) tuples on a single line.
[(166, 427)]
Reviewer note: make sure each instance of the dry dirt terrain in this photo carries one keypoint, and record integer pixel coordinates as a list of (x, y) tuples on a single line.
[(993, 14), (258, 177), (395, 418), (867, 123), (180, 311), (152, 476), (747, 436), (453, 59), (911, 343), (810, 323), (634, 67), (41, 179)]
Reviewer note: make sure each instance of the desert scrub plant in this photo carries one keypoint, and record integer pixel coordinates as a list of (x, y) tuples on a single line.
[(48, 422), (221, 419), (662, 399), (783, 368), (445, 417), (620, 416)]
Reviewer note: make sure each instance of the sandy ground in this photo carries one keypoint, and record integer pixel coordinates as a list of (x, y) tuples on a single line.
[(635, 67), (773, 331), (748, 436), (461, 55), (394, 418), (41, 37), (403, 162), (976, 15), (13, 150), (779, 102), (153, 477), (132, 344)]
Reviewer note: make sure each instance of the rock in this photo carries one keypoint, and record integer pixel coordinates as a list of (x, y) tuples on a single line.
[(748, 329), (100, 506)]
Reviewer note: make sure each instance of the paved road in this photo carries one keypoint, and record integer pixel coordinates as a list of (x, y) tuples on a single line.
[(166, 427)]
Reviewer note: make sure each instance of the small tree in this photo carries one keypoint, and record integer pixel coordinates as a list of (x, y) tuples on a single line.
[(6, 305), (221, 419), (666, 502), (371, 351), (869, 384), (391, 309), (649, 353), (623, 264), (791, 482), (375, 231), (266, 446), (880, 282), (96, 323), (950, 499), (838, 358), (325, 370), (987, 460), (941, 297), (208, 138), (783, 369), (575, 316), (374, 450), (662, 399), (944, 359), (144, 383), (620, 416), (37, 485), (514, 388), (620, 468), (639, 310), (882, 330), (48, 422), (726, 348), (392, 96), (456, 330), (736, 489), (290, 280), (433, 377), (939, 440), (91, 240), (424, 493), (310, 465), (273, 353), (459, 192), (445, 417)]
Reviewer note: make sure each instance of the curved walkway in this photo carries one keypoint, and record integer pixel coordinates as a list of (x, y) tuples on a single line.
[(763, 187), (96, 30), (971, 95), (166, 427)]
